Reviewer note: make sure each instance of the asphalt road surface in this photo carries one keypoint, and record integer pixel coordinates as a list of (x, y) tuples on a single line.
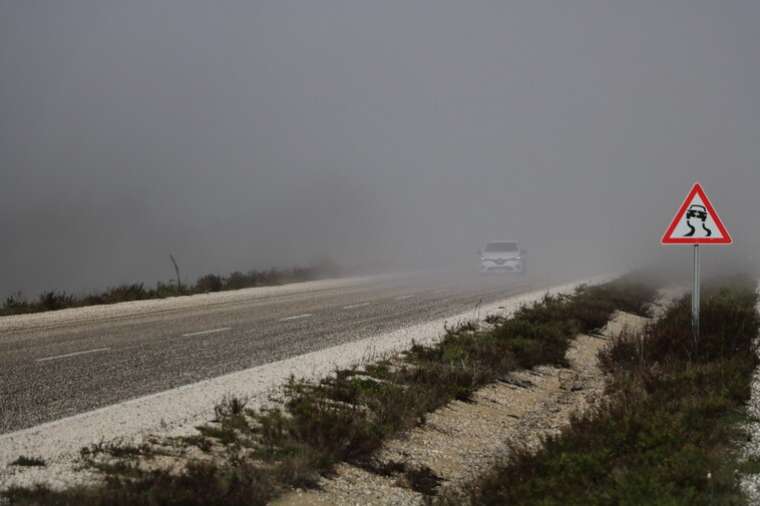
[(61, 369)]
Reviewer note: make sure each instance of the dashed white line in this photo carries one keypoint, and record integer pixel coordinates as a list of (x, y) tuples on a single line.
[(404, 297), (206, 332), (355, 306), (67, 355), (297, 317)]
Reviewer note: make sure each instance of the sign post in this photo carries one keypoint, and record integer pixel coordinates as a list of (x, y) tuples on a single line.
[(695, 223), (695, 294)]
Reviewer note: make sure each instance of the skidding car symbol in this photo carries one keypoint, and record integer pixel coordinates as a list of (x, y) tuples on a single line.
[(698, 212)]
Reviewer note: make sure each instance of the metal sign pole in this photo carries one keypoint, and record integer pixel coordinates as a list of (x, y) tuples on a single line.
[(695, 291)]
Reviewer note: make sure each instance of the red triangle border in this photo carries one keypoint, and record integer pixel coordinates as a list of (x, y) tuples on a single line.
[(696, 190)]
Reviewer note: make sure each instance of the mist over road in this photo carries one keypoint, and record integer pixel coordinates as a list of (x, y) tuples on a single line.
[(60, 369)]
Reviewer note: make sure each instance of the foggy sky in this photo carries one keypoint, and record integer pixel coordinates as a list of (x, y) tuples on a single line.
[(246, 134)]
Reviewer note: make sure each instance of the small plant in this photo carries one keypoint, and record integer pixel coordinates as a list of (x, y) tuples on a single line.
[(116, 449), (209, 283), (230, 406), (28, 462), (236, 281), (422, 479), (52, 301), (16, 304)]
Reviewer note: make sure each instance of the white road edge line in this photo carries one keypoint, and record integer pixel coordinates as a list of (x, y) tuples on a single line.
[(205, 332), (67, 355), (296, 317), (355, 306)]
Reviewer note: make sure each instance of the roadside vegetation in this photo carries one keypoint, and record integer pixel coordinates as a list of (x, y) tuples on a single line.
[(26, 461), (55, 300), (247, 456), (668, 434)]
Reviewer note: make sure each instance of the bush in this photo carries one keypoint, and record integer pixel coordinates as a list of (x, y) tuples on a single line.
[(52, 301), (236, 281), (665, 436), (122, 293), (15, 304), (209, 283), (728, 321)]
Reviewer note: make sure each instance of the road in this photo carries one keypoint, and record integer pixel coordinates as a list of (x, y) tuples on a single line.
[(63, 368)]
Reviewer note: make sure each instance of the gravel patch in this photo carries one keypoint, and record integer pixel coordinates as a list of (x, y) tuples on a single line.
[(179, 411)]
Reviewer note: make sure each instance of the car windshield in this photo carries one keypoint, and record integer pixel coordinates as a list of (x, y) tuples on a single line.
[(501, 247)]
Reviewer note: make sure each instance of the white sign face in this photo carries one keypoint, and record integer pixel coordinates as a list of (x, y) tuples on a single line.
[(696, 222)]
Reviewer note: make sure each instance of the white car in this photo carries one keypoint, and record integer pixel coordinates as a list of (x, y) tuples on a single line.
[(502, 256)]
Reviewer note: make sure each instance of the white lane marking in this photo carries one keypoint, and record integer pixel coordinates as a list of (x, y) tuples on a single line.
[(296, 317), (404, 297), (354, 306), (67, 355), (205, 332)]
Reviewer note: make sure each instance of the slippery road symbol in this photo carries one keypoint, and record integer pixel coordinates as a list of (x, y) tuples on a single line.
[(697, 215)]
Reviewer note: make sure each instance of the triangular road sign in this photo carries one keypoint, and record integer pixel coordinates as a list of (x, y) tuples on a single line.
[(696, 222)]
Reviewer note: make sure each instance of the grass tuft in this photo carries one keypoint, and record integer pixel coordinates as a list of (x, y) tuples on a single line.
[(25, 461)]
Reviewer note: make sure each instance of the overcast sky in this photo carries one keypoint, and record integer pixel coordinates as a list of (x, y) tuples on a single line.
[(245, 134)]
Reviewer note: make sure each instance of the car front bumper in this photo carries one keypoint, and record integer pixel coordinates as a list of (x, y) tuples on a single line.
[(506, 267)]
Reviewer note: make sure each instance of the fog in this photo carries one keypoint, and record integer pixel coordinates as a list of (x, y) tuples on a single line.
[(386, 135)]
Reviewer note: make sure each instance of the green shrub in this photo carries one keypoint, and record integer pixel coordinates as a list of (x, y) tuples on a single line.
[(236, 281), (25, 461), (52, 301), (209, 283), (666, 434)]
